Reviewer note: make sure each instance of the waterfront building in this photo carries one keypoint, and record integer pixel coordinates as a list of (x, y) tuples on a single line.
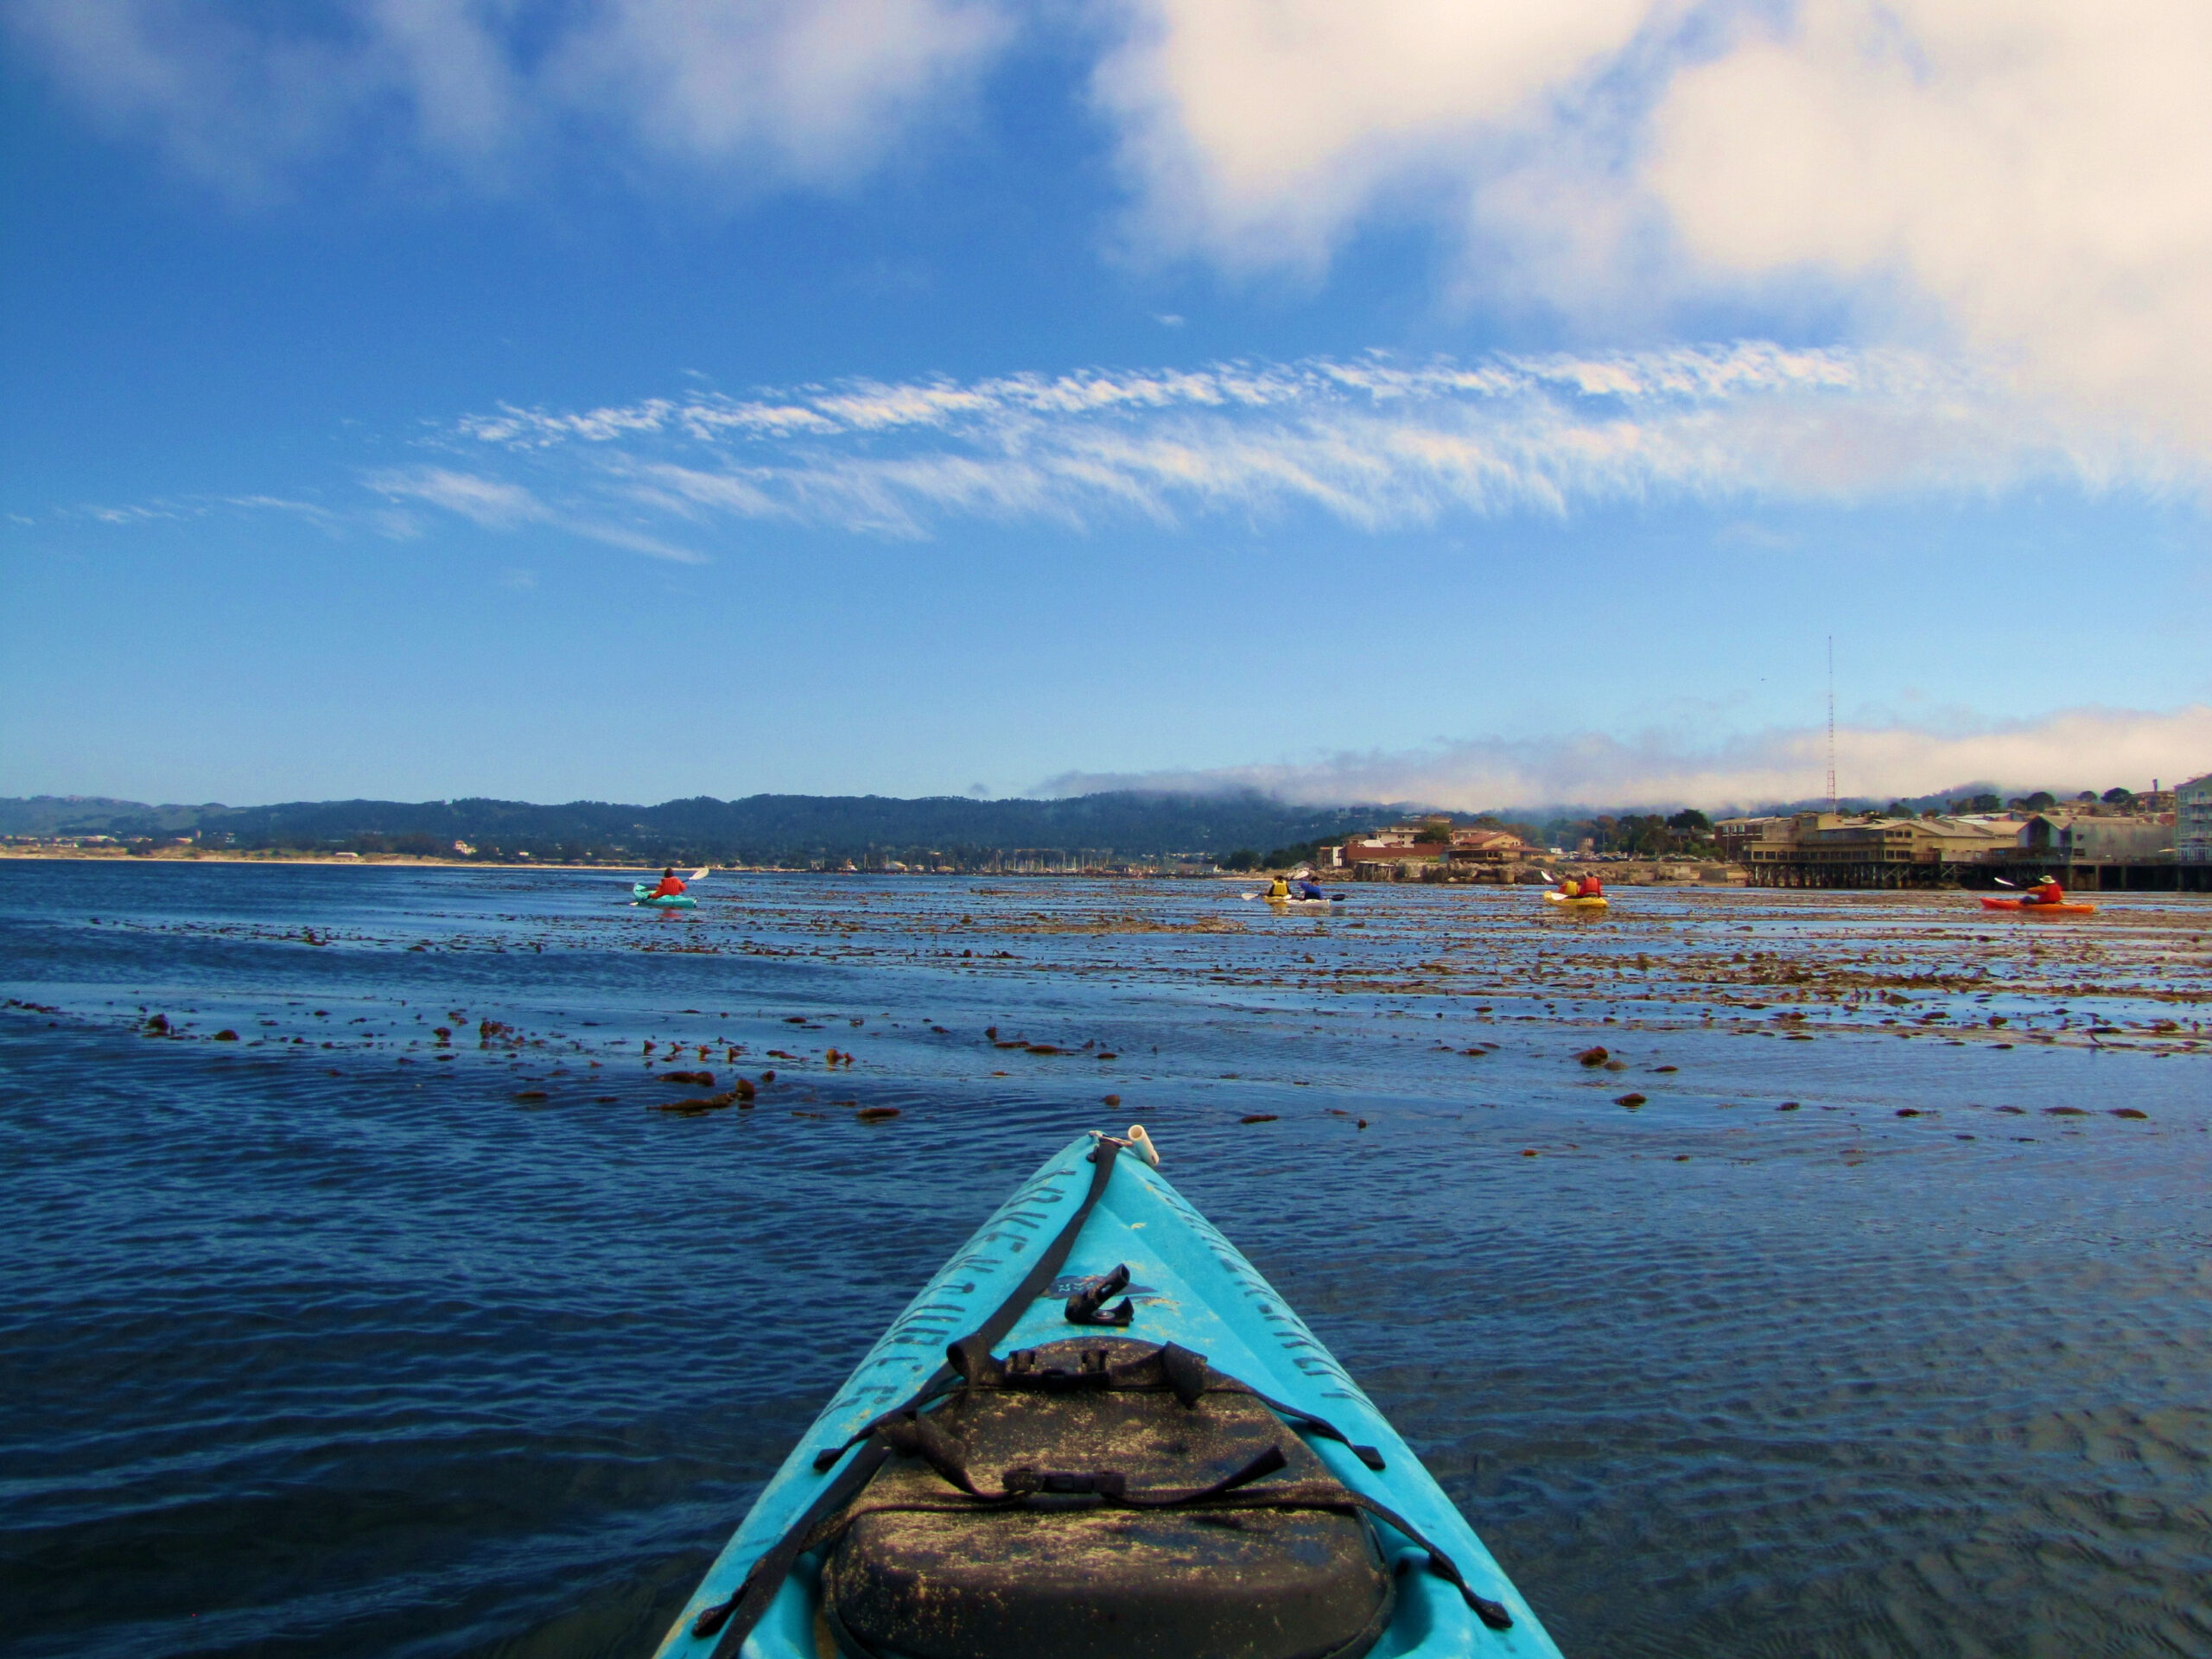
[(1834, 849), (1423, 851), (2068, 837), (2193, 820), (1735, 835)]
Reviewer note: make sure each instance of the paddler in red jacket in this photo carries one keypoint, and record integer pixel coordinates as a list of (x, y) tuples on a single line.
[(2045, 892), (670, 886)]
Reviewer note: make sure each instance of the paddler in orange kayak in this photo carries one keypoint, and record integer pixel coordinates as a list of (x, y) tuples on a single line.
[(671, 884), (2045, 892)]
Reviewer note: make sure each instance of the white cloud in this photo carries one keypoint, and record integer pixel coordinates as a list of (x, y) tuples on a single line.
[(2073, 749), (765, 92), (2028, 178), (822, 86), (501, 505), (1260, 129), (2042, 170), (1373, 444)]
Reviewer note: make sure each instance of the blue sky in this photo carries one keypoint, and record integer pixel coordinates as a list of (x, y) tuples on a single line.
[(628, 399)]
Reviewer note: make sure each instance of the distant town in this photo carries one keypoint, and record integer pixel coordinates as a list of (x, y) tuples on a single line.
[(2121, 840)]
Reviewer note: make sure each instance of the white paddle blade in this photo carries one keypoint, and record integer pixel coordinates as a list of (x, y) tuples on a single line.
[(2001, 881), (696, 875)]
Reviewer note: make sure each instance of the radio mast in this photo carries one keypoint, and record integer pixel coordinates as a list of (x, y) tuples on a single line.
[(1832, 805)]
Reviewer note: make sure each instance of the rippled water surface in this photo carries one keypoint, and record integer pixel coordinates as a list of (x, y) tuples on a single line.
[(1858, 1302)]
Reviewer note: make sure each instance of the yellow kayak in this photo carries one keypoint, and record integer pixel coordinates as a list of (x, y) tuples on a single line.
[(1598, 903)]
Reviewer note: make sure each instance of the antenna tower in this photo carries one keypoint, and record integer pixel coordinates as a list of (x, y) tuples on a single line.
[(1833, 805)]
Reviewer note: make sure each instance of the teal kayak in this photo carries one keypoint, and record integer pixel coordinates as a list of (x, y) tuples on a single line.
[(1099, 1433), (673, 901)]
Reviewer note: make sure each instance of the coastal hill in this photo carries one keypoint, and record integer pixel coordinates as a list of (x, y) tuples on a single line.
[(934, 832), (759, 829)]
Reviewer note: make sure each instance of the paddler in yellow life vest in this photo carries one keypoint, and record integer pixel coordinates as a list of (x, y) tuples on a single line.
[(2045, 892), (1278, 889)]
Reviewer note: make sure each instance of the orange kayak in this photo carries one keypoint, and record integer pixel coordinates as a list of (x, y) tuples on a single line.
[(2027, 909)]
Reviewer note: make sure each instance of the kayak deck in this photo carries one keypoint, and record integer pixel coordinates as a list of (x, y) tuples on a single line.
[(1189, 1286)]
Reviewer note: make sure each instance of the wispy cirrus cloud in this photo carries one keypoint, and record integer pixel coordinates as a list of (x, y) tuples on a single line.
[(1373, 442), (501, 505), (2076, 747)]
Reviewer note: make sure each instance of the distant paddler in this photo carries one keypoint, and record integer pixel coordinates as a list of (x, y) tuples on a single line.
[(1578, 892), (1278, 889), (669, 895), (2045, 892)]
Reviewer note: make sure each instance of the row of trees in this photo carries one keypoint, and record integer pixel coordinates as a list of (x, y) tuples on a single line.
[(1686, 834), (2041, 801)]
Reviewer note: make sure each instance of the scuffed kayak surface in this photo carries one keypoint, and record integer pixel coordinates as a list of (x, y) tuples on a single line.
[(1188, 1285)]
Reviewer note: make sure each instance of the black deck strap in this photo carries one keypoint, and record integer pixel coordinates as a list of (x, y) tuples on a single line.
[(1266, 1463), (736, 1616), (826, 1458), (1313, 1425), (1088, 1305), (921, 1439), (918, 1436), (1185, 1371), (985, 1337), (1046, 1267), (1094, 1370), (972, 1357), (1492, 1613)]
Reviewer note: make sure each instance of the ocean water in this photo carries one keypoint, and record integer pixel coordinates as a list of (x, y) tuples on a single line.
[(1857, 1301)]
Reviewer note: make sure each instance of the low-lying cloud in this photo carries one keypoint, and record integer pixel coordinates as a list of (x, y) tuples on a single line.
[(2073, 749)]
